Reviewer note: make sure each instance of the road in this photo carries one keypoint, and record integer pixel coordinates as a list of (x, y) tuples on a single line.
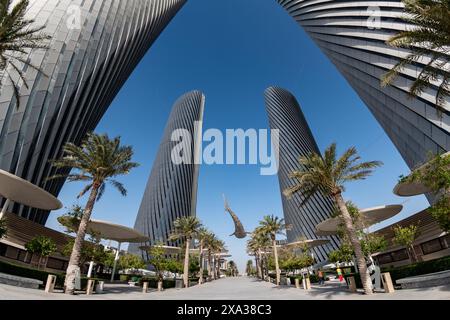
[(230, 289)]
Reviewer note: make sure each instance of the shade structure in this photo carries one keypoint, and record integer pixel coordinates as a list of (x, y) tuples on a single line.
[(409, 189), (115, 232), (14, 188), (109, 231), (369, 216), (310, 243)]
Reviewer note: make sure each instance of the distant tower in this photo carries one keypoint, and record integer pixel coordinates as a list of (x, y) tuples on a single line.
[(171, 190), (296, 140), (94, 47)]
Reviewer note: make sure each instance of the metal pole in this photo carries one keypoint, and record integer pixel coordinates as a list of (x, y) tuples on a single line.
[(5, 208), (115, 262)]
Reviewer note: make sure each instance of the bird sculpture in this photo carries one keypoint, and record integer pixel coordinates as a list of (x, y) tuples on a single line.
[(239, 231)]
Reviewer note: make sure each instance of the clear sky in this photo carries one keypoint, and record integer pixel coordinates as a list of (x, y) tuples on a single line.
[(232, 51)]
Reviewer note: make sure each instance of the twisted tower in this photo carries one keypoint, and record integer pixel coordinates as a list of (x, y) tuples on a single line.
[(296, 140), (94, 48), (353, 34), (171, 190)]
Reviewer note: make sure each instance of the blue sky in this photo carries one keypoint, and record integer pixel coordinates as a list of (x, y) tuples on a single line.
[(232, 51)]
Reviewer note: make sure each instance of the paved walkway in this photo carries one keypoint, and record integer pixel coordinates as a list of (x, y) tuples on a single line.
[(230, 289)]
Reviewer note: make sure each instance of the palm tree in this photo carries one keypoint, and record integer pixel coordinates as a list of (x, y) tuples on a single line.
[(428, 37), (97, 161), (273, 226), (209, 245), (202, 237), (185, 228), (17, 38), (219, 248), (252, 248), (328, 175), (258, 243)]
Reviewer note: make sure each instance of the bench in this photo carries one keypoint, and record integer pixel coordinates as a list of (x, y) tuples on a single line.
[(426, 280), (20, 281)]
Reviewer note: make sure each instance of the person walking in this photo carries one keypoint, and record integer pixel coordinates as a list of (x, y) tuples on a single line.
[(321, 277)]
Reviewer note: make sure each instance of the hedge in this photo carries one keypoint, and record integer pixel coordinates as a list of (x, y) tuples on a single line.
[(416, 269), (21, 271)]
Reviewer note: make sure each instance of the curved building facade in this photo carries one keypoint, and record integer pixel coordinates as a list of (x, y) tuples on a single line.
[(353, 34), (296, 140), (171, 190), (95, 45)]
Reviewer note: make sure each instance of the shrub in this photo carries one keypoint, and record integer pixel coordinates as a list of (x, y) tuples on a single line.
[(124, 277), (26, 272), (419, 268)]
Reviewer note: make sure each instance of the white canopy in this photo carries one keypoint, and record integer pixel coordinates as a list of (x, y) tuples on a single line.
[(19, 190), (369, 216)]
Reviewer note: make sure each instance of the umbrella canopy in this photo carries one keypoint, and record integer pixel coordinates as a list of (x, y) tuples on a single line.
[(108, 230), (409, 189), (369, 216), (24, 192)]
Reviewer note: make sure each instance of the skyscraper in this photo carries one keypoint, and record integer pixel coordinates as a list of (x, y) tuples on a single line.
[(171, 190), (353, 34), (94, 47), (296, 140)]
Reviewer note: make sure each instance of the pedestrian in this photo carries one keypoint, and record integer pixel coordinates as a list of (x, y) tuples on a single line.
[(339, 272), (321, 277)]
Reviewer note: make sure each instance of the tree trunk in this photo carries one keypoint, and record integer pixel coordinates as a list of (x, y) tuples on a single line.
[(186, 264), (209, 265), (361, 261), (200, 280), (412, 253), (218, 267), (277, 266), (258, 264), (74, 262)]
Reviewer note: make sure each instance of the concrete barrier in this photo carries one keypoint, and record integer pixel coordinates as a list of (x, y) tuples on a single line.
[(20, 281)]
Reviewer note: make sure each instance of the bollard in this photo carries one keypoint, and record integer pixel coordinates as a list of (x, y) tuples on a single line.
[(304, 284), (145, 287), (90, 287), (297, 283), (351, 284), (387, 282), (308, 284), (50, 285)]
